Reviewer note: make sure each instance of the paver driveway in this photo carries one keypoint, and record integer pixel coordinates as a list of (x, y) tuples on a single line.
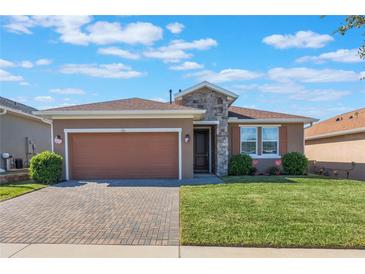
[(93, 213)]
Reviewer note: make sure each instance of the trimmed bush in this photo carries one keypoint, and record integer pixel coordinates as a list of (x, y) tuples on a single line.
[(240, 165), (46, 167), (274, 170), (295, 163)]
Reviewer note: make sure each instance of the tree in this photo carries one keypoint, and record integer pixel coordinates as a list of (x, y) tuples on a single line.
[(354, 22)]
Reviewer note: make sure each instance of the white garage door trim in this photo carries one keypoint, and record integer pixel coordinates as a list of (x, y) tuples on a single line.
[(112, 130)]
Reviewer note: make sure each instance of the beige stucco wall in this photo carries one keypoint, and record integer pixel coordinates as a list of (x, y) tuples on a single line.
[(14, 129), (338, 153), (185, 124)]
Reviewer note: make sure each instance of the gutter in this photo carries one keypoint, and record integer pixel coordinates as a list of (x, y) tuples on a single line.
[(6, 110), (272, 120), (337, 133), (95, 114), (3, 112)]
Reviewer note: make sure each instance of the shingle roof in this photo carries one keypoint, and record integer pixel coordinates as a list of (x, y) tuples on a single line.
[(346, 121), (124, 104), (15, 105), (249, 113)]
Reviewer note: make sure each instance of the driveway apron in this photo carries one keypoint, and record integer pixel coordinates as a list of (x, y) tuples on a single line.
[(100, 212)]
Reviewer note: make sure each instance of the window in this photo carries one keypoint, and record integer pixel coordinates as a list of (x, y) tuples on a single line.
[(249, 140), (270, 140)]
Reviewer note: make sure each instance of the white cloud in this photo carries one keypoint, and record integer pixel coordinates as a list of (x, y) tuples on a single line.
[(44, 99), (74, 91), (117, 70), (20, 24), (8, 77), (297, 92), (118, 52), (201, 44), (301, 39), (133, 33), (43, 62), (26, 64), (101, 32), (175, 27), (226, 75), (24, 83), (341, 56), (6, 64), (187, 66), (167, 55), (319, 95), (308, 75), (175, 51)]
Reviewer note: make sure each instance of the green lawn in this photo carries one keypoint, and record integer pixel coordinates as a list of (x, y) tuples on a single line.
[(15, 189), (274, 211)]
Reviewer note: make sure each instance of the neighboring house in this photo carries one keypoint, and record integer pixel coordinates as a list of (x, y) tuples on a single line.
[(22, 134), (335, 144), (137, 138)]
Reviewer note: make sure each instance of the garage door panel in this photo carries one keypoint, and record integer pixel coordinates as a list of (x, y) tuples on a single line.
[(124, 155)]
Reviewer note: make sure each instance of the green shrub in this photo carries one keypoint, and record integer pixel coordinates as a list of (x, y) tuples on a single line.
[(240, 165), (274, 170), (295, 163), (46, 167)]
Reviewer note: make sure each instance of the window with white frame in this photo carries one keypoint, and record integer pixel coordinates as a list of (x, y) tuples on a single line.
[(270, 140), (249, 140)]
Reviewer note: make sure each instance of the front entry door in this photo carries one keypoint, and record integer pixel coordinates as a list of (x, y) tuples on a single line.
[(201, 150)]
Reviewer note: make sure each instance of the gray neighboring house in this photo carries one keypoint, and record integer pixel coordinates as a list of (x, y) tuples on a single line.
[(22, 134)]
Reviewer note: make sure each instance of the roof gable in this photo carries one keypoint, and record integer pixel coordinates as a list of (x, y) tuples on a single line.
[(207, 85)]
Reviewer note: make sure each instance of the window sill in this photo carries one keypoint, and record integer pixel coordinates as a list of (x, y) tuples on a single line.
[(266, 156)]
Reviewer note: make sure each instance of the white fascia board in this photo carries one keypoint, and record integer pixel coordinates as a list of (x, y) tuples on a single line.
[(113, 114), (206, 122), (337, 133), (272, 120), (208, 85), (21, 113)]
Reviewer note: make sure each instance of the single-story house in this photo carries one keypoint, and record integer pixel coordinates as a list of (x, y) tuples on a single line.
[(337, 145), (138, 138), (22, 134)]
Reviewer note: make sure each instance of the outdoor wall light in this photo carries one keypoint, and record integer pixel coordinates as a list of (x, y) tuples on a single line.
[(58, 140), (187, 138)]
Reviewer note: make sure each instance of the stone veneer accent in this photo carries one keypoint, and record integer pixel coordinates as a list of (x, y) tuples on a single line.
[(216, 105)]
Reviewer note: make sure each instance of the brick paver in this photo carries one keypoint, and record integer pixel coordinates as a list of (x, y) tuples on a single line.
[(93, 213)]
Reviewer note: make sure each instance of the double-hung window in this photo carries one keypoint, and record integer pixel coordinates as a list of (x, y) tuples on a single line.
[(270, 140), (249, 140)]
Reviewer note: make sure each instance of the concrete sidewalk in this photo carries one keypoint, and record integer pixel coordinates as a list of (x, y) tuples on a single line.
[(129, 251)]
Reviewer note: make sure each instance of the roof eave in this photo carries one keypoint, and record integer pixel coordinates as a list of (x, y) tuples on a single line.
[(28, 115), (272, 120), (336, 133), (112, 114)]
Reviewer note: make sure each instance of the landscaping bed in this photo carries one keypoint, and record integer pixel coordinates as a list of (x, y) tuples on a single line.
[(275, 211)]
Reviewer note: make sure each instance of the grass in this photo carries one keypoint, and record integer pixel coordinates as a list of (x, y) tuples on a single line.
[(275, 211), (12, 190)]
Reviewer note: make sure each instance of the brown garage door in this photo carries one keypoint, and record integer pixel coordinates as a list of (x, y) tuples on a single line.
[(123, 155)]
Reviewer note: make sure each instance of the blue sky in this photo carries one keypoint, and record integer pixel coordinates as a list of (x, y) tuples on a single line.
[(291, 64)]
